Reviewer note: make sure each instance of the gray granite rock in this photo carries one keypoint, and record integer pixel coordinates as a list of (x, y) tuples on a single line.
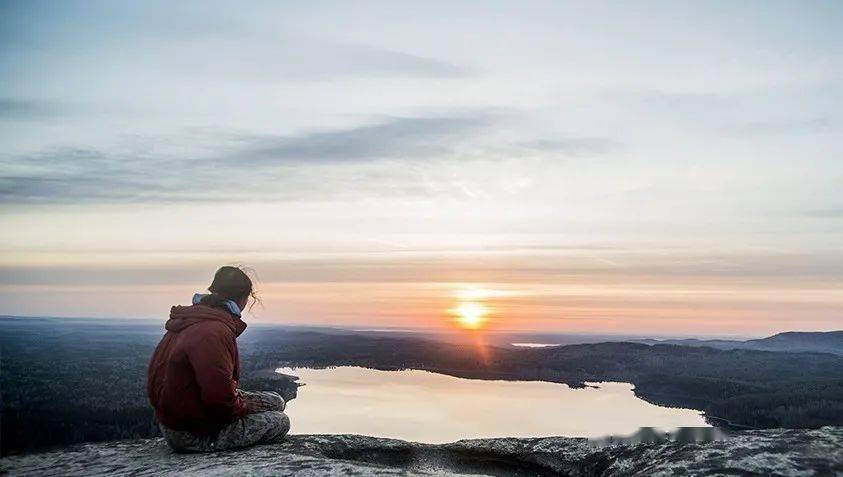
[(766, 452)]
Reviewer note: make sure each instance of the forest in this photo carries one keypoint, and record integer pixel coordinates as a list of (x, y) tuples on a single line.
[(68, 381)]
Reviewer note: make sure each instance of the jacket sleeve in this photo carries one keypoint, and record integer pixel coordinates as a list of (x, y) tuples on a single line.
[(212, 359)]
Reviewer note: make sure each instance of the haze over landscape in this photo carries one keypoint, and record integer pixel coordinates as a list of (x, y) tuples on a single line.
[(568, 167)]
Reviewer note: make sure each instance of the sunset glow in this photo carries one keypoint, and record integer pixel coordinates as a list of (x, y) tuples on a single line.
[(471, 315)]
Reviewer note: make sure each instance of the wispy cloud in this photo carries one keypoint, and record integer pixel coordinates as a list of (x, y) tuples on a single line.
[(395, 138), (784, 126), (302, 60), (80, 175), (696, 271), (830, 213), (28, 109), (357, 60), (575, 147), (84, 175), (388, 157)]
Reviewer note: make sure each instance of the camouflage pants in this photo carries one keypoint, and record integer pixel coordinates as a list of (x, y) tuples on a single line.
[(266, 423)]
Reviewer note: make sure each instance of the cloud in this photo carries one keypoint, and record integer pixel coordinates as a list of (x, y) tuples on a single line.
[(200, 42), (78, 175), (760, 113), (297, 59), (395, 138), (333, 60), (395, 157), (575, 147), (784, 126), (657, 267), (28, 110), (830, 213), (86, 175)]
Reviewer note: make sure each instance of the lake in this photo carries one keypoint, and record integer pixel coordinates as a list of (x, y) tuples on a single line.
[(434, 408), (534, 345)]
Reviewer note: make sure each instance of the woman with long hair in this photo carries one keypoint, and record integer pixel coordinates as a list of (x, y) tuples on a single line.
[(193, 374)]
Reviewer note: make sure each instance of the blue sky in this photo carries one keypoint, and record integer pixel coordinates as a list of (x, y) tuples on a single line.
[(624, 166)]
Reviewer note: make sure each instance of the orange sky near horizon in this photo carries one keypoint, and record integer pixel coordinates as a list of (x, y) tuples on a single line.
[(547, 291)]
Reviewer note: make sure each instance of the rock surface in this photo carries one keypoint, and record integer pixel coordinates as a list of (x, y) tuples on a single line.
[(767, 452)]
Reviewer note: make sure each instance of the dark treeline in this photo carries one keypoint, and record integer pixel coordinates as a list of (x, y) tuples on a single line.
[(65, 381)]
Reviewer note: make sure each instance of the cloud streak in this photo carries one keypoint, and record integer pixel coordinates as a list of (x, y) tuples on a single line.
[(395, 138), (575, 147), (29, 110), (388, 159), (629, 269), (86, 175)]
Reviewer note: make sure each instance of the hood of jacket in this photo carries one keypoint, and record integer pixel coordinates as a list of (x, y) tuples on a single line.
[(183, 317)]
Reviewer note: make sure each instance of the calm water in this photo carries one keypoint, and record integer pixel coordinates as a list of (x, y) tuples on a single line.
[(428, 407), (535, 345)]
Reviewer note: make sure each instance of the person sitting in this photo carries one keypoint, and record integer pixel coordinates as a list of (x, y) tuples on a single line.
[(192, 376)]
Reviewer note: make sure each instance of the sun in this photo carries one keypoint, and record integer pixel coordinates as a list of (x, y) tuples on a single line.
[(471, 315)]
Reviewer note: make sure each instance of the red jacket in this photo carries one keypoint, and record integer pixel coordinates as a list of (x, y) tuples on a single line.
[(192, 376)]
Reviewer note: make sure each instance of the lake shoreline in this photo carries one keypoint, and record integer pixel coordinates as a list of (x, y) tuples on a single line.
[(431, 407)]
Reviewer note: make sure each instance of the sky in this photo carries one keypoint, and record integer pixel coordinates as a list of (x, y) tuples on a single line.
[(668, 168)]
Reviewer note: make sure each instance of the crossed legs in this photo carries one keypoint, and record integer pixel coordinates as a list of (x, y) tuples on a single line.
[(264, 424)]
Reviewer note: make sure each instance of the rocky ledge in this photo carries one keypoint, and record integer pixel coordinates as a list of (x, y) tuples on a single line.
[(767, 452)]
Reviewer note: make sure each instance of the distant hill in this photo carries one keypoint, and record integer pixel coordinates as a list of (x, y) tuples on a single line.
[(791, 342)]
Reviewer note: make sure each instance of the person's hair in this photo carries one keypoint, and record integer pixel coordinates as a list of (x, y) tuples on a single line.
[(230, 283)]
